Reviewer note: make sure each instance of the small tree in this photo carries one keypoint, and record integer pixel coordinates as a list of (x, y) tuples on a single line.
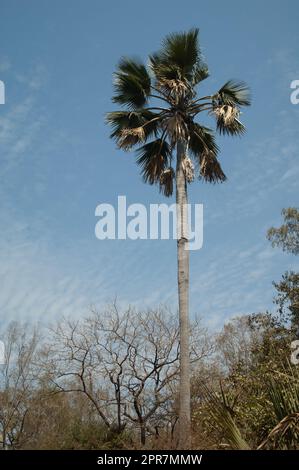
[(18, 380), (287, 237)]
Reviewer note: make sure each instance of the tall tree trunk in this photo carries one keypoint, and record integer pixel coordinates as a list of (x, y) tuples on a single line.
[(183, 292)]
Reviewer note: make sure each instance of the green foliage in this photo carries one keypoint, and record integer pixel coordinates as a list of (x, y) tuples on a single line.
[(221, 414), (93, 436), (131, 83), (287, 298), (154, 158), (171, 80), (234, 93), (283, 392), (256, 404), (121, 120), (287, 235), (180, 58)]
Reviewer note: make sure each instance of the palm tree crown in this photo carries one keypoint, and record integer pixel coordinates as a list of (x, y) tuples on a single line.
[(156, 126)]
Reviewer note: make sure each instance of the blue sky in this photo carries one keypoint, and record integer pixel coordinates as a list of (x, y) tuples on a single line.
[(57, 162)]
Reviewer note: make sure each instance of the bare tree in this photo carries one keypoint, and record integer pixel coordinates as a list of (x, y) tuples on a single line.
[(75, 364), (126, 364)]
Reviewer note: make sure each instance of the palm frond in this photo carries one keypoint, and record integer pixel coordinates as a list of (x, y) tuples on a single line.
[(138, 70), (182, 49), (210, 168), (288, 425), (234, 128), (121, 121), (200, 73), (227, 118), (132, 83), (283, 392), (201, 139), (154, 158), (166, 181), (164, 70), (179, 58), (234, 93), (204, 149), (220, 413), (130, 137), (170, 81)]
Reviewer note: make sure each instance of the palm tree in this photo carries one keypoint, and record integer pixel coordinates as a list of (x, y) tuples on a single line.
[(160, 105)]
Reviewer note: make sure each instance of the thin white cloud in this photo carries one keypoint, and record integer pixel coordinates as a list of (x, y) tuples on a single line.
[(5, 65), (19, 126)]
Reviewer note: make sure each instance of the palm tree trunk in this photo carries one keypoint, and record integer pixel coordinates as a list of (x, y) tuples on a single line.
[(183, 291)]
